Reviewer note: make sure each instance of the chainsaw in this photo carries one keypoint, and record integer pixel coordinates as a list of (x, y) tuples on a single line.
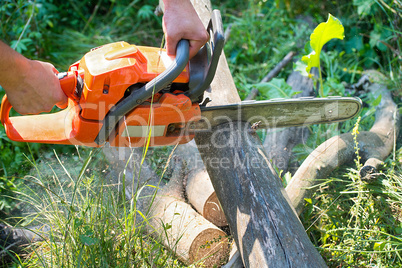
[(131, 96)]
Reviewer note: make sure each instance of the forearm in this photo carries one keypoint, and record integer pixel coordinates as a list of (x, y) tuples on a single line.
[(12, 66), (31, 86), (176, 3)]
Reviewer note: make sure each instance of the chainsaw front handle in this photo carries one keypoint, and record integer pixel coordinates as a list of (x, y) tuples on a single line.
[(138, 96)]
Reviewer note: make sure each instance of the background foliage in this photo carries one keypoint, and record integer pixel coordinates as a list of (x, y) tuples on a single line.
[(353, 223)]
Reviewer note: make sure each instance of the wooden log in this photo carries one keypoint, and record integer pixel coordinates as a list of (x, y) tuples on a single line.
[(199, 190), (265, 227), (374, 144), (190, 236), (369, 171), (202, 196), (179, 227)]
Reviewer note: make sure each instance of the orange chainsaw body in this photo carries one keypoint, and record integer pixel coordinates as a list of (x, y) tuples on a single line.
[(107, 73)]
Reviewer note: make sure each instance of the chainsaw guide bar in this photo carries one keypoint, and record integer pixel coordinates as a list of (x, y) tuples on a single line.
[(278, 113)]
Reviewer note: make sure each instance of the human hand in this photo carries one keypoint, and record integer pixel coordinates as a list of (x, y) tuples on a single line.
[(181, 21), (35, 88)]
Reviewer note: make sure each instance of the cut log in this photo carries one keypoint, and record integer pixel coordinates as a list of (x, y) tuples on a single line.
[(377, 144), (190, 236), (265, 227), (202, 196), (199, 190), (184, 231)]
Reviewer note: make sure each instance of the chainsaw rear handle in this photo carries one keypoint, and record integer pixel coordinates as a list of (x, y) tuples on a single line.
[(138, 96), (70, 83)]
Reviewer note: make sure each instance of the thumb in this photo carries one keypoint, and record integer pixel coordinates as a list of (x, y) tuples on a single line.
[(62, 104)]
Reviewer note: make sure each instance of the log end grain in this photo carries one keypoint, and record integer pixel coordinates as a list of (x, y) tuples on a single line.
[(213, 211), (210, 248), (190, 236)]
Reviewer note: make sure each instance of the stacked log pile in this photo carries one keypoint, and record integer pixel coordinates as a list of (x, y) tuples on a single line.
[(170, 218)]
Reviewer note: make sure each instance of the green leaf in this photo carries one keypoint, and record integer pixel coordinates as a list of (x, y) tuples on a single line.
[(324, 32), (377, 36), (377, 101), (379, 245), (333, 87), (276, 88), (168, 226), (145, 12), (363, 6)]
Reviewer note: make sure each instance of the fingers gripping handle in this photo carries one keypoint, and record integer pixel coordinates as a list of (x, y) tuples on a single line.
[(70, 83)]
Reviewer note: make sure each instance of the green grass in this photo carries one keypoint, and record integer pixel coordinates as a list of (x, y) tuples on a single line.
[(92, 224), (356, 223), (353, 223)]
